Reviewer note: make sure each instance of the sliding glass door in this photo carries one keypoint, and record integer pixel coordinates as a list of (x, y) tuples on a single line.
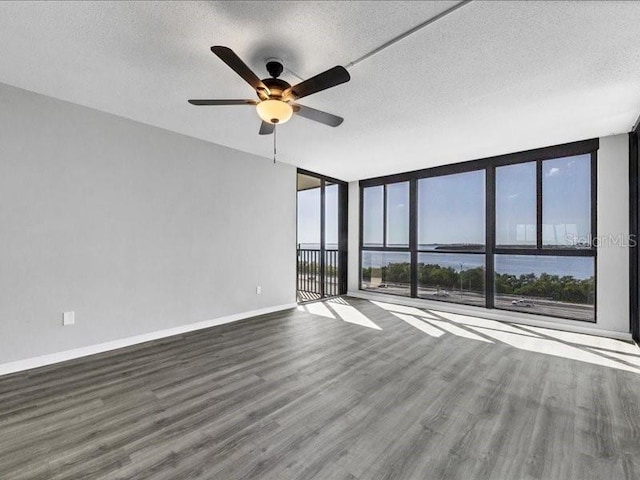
[(322, 247)]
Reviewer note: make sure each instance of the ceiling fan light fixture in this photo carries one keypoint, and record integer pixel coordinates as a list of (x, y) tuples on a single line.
[(274, 94), (274, 111)]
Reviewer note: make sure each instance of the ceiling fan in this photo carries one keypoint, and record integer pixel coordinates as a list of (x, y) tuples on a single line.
[(276, 98)]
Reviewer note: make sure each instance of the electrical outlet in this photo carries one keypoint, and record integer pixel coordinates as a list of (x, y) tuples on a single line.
[(259, 289), (68, 318)]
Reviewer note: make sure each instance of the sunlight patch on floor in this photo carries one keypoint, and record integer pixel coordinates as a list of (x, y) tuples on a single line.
[(455, 330), (552, 347), (392, 307), (592, 349), (633, 359), (419, 324), (586, 340), (338, 300), (352, 315), (317, 308), (483, 322)]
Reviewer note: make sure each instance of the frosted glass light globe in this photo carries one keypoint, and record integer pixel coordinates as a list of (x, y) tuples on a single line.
[(274, 111)]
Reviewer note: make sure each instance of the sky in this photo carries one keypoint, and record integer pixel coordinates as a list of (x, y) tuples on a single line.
[(309, 216), (566, 200), (451, 208), (516, 204)]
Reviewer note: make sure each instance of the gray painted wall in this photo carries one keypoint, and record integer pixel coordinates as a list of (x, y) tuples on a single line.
[(135, 228), (613, 259), (613, 221)]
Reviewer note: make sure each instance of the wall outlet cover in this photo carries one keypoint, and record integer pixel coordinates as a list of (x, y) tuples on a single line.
[(68, 318)]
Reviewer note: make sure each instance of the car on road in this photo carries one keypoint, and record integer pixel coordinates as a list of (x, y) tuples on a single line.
[(522, 302)]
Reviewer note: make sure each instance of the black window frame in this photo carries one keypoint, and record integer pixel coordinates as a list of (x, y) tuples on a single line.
[(489, 165), (383, 247)]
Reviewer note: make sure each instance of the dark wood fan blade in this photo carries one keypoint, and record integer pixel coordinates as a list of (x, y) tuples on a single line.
[(223, 102), (332, 77), (266, 128), (233, 61), (317, 115)]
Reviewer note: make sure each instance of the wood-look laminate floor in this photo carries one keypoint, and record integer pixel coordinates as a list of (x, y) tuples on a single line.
[(345, 389)]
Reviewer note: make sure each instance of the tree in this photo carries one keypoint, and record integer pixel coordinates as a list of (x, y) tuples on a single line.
[(473, 279), (398, 273)]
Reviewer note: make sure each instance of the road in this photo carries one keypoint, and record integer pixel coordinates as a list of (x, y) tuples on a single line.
[(503, 302)]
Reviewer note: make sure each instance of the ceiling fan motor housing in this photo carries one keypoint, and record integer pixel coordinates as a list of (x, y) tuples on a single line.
[(276, 86), (276, 104)]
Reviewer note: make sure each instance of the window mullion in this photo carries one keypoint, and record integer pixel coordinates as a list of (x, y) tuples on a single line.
[(490, 233), (538, 204), (384, 216), (413, 235)]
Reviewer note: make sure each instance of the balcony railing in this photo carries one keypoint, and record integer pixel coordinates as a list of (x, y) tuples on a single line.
[(311, 270)]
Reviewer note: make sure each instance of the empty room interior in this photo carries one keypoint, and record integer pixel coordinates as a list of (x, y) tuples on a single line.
[(325, 240)]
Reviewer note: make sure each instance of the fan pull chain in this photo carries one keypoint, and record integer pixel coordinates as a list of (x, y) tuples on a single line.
[(275, 129)]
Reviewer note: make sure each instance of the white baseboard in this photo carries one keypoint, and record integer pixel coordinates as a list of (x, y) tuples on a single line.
[(41, 361), (499, 315)]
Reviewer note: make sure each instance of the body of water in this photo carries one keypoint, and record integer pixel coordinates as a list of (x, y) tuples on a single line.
[(577, 267)]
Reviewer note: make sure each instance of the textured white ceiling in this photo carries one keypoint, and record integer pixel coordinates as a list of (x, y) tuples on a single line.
[(491, 78)]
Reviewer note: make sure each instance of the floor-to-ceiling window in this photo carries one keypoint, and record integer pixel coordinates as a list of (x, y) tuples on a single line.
[(386, 261), (634, 230), (321, 232), (545, 257), (451, 237), (514, 232)]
